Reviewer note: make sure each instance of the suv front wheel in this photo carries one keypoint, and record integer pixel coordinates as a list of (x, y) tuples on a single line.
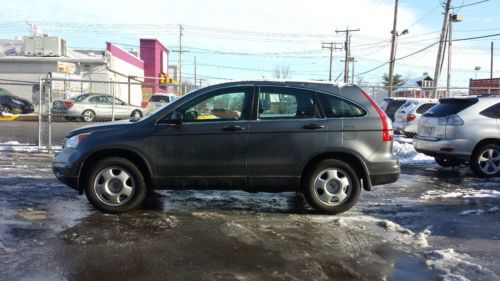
[(485, 161), (332, 187), (115, 185)]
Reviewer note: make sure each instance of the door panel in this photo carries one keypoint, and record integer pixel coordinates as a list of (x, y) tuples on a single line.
[(287, 131), (209, 149)]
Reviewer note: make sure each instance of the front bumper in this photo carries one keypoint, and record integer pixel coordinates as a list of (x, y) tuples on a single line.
[(66, 167)]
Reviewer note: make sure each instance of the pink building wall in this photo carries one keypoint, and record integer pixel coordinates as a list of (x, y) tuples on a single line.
[(151, 53)]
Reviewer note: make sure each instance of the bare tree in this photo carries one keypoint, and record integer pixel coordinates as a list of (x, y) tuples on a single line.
[(281, 71)]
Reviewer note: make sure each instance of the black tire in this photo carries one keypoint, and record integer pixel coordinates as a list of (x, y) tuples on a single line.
[(312, 193), (409, 135), (98, 199), (5, 108), (135, 112), (448, 161), (88, 115), (479, 167)]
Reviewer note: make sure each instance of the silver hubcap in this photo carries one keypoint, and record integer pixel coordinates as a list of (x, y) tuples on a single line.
[(489, 161), (114, 186), (88, 116), (137, 114), (332, 186)]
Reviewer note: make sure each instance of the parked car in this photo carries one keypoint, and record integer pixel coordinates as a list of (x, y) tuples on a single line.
[(14, 105), (160, 99), (391, 105), (406, 118), (465, 129), (273, 136), (90, 107)]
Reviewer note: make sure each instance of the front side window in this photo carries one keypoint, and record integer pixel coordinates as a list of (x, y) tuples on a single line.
[(336, 107), (286, 104), (220, 107)]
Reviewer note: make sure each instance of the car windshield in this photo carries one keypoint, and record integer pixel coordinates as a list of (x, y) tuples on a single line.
[(80, 97), (448, 107)]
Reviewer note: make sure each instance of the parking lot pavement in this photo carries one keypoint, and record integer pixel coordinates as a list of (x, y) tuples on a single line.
[(433, 223)]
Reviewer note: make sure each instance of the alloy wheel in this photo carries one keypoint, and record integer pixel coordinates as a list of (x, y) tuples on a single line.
[(332, 186), (114, 186), (489, 161)]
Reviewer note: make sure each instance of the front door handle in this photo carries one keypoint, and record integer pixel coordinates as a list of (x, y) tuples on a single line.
[(313, 127), (233, 128)]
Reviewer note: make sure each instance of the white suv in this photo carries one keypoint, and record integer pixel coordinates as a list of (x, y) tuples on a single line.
[(463, 129), (406, 118)]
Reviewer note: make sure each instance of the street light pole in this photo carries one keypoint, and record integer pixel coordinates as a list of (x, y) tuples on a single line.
[(453, 18)]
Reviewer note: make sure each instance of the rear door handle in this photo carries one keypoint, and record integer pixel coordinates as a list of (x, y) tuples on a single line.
[(233, 128), (313, 127)]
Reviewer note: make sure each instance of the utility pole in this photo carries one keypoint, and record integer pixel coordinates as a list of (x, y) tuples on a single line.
[(195, 71), (331, 46), (453, 18), (393, 49), (181, 30), (491, 62), (437, 70), (347, 47), (352, 76)]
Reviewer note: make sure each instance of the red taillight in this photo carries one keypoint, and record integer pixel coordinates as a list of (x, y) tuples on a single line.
[(387, 131), (68, 104), (411, 117), (446, 149)]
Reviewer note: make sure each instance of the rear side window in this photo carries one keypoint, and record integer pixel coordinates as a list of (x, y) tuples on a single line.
[(448, 107), (160, 99), (393, 106), (424, 107), (283, 103), (335, 107), (492, 111)]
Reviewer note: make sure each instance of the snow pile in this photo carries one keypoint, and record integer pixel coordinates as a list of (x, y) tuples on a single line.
[(456, 266), (467, 193), (22, 147), (403, 150)]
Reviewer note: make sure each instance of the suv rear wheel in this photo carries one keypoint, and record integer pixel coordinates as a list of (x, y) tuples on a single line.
[(115, 185), (485, 161), (332, 187)]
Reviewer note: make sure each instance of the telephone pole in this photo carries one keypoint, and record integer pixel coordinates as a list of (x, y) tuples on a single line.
[(437, 70), (347, 47), (195, 71), (393, 48), (491, 66), (332, 46), (181, 30)]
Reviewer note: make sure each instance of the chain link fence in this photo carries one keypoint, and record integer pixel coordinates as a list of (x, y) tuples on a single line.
[(41, 113)]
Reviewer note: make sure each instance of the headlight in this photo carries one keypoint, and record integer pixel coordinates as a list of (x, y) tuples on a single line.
[(17, 102), (73, 141)]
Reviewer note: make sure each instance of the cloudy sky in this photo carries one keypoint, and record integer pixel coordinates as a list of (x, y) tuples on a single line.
[(247, 39)]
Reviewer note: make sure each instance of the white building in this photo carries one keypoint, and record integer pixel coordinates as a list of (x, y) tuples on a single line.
[(24, 62)]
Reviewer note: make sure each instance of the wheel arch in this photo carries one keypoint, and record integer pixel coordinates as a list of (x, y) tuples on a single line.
[(351, 159), (133, 156), (485, 142)]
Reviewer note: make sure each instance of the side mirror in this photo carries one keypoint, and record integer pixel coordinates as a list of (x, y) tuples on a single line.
[(177, 118)]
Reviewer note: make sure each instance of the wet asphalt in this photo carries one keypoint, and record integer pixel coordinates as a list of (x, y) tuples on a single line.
[(49, 232)]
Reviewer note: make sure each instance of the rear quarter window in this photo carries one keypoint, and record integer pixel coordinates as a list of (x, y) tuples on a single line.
[(449, 107), (335, 107), (492, 111), (424, 107)]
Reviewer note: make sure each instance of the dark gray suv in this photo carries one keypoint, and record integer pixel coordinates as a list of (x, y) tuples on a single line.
[(324, 140)]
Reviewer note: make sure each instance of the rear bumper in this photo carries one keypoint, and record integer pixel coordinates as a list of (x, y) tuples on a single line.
[(460, 148), (384, 173)]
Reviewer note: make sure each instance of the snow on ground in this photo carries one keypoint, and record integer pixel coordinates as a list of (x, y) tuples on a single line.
[(466, 193), (453, 266), (404, 151)]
